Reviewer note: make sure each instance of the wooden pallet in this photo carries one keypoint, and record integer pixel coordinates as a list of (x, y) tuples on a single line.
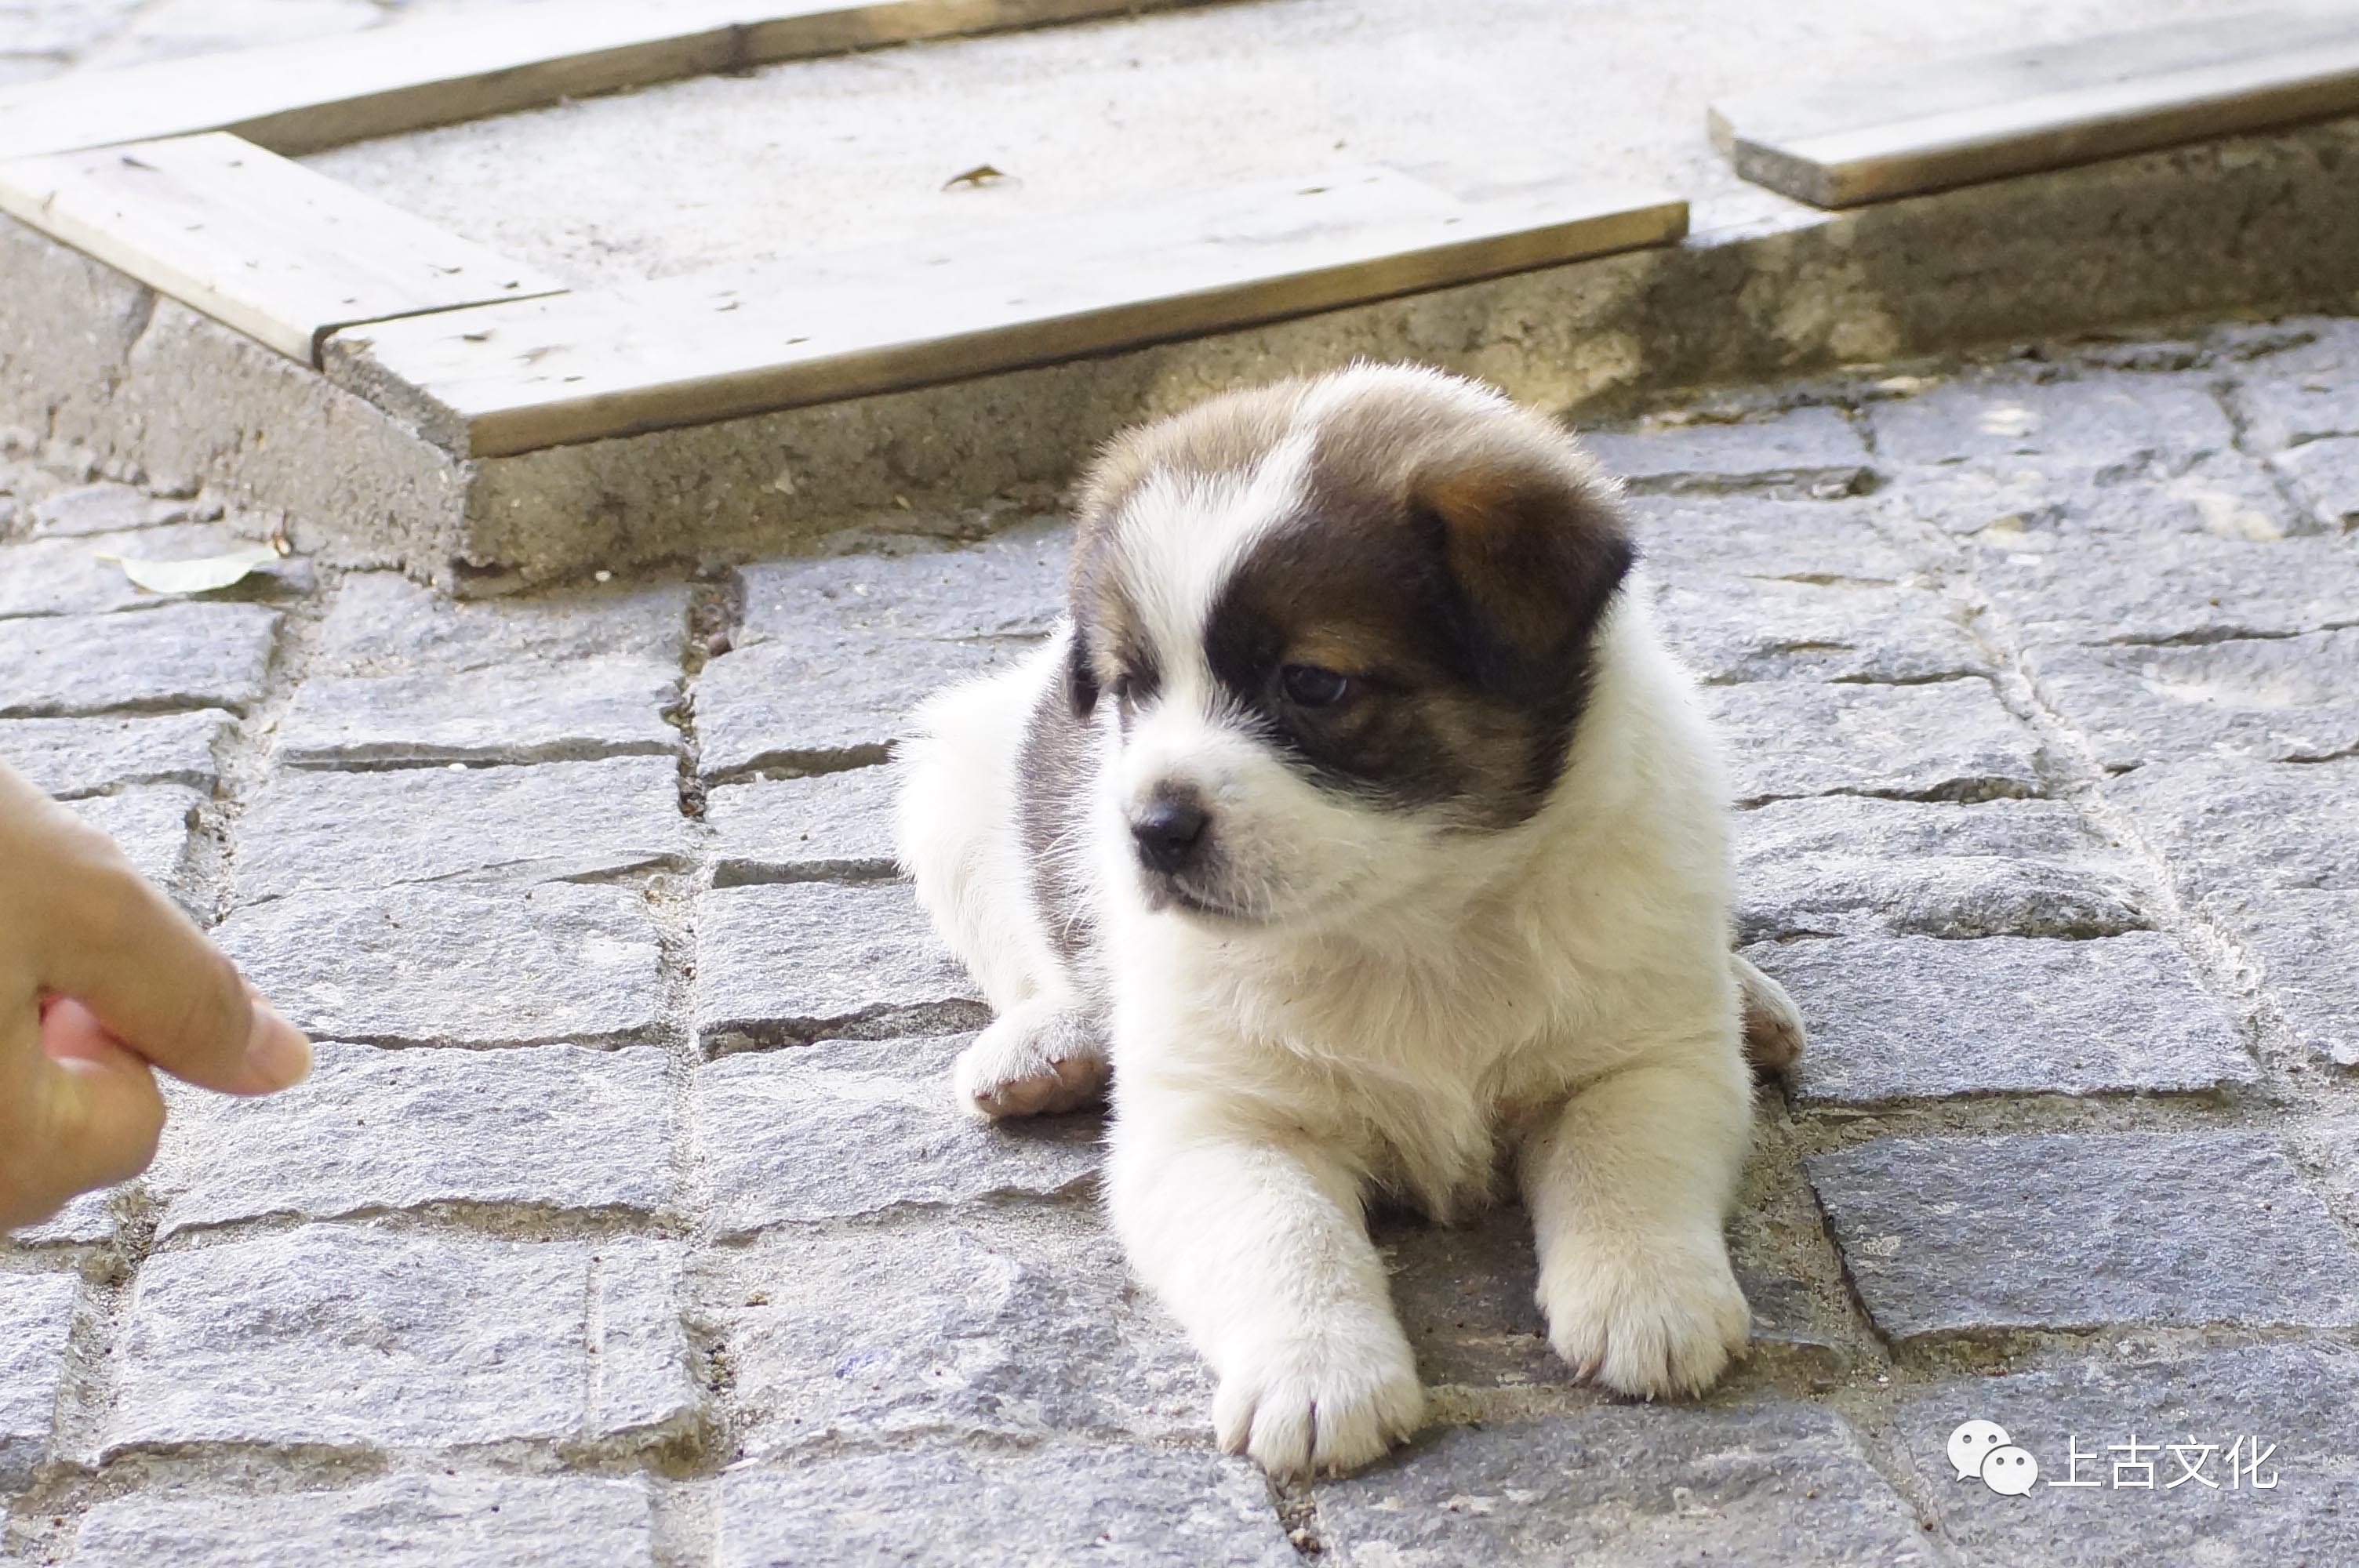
[(277, 252), (1897, 132), (501, 379), (172, 173)]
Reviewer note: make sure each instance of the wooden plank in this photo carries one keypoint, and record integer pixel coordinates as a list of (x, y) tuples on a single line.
[(300, 97), (1840, 143), (514, 378), (276, 251)]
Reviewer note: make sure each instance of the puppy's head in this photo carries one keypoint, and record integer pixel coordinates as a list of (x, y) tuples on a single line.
[(1333, 627)]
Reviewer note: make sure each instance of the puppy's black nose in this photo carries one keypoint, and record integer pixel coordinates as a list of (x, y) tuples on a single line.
[(1169, 833)]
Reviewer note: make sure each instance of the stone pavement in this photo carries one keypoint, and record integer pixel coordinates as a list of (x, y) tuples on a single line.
[(626, 1219)]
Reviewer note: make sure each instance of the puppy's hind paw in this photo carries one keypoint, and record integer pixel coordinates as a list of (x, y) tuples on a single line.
[(1773, 1035), (1322, 1405), (1035, 1061)]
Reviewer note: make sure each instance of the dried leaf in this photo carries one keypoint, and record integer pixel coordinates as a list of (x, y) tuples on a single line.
[(980, 174), (202, 575)]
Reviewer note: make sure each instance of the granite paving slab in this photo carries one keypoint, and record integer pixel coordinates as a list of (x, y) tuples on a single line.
[(802, 707), (2323, 477), (546, 1128), (173, 656), (824, 828), (2240, 1455), (564, 712), (306, 831), (1646, 1487), (401, 1521), (453, 966), (1901, 1018), (846, 1128), (1976, 1235), (2301, 942), (359, 1338), (74, 757), (36, 1313), (2230, 827), (1810, 451), (1746, 629), (155, 827), (790, 962), (1022, 1325), (1855, 864), (1058, 1506), (81, 575), (2279, 698), (1946, 741), (2006, 419)]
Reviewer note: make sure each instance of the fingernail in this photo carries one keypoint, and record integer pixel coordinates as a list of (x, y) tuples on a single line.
[(276, 1050)]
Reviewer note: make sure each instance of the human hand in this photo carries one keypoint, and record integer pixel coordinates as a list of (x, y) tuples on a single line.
[(102, 979)]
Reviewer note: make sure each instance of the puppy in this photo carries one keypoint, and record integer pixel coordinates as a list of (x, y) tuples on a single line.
[(1358, 820)]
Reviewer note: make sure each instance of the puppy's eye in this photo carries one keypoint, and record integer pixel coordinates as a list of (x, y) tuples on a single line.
[(1310, 686), (1123, 685)]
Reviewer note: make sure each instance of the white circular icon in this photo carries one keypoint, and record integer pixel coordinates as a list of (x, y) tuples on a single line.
[(2009, 1471), (1972, 1444)]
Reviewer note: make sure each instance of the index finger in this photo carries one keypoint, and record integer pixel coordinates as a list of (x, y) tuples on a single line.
[(102, 936)]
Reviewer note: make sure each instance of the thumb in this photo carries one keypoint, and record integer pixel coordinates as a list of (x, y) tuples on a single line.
[(86, 1112)]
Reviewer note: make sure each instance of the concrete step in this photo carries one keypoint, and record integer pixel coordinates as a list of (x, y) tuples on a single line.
[(753, 176)]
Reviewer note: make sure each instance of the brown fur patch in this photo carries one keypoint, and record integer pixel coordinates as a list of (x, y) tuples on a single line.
[(1533, 534)]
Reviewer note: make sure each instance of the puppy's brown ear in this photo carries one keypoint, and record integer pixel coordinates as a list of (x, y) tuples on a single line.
[(1537, 547)]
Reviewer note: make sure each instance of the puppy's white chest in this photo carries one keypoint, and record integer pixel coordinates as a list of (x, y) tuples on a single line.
[(1413, 1071)]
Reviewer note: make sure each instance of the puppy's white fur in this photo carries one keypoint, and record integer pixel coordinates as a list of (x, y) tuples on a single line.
[(1406, 1003)]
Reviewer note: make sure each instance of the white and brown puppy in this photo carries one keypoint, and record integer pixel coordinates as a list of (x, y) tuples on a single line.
[(1360, 823)]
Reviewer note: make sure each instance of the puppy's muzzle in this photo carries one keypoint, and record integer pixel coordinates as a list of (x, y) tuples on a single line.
[(1172, 832)]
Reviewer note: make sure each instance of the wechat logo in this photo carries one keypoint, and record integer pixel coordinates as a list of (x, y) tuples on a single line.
[(1982, 1448)]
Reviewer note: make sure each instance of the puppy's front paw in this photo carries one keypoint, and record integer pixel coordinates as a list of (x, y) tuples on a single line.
[(1034, 1062), (1319, 1401), (1648, 1321)]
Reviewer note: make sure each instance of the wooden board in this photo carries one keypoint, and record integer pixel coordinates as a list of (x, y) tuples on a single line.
[(300, 97), (277, 252), (1840, 143), (514, 378)]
